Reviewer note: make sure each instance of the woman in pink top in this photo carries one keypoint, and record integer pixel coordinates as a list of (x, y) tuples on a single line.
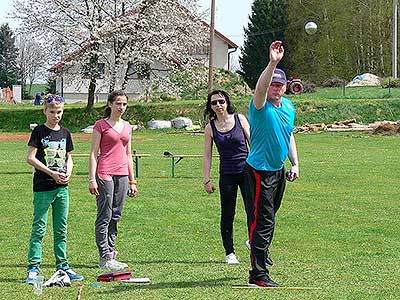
[(111, 176)]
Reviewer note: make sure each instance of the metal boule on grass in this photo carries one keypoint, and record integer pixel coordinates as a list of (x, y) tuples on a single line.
[(311, 27)]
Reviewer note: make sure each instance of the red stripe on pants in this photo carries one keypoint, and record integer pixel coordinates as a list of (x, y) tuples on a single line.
[(256, 200)]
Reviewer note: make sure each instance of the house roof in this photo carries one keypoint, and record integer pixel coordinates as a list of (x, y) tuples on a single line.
[(230, 43), (61, 63)]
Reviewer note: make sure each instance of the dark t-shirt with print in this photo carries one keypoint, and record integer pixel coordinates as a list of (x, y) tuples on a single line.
[(52, 147)]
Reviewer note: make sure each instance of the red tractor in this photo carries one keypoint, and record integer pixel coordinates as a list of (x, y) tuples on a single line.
[(294, 86)]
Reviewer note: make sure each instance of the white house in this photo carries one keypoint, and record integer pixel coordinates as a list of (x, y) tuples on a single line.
[(76, 90)]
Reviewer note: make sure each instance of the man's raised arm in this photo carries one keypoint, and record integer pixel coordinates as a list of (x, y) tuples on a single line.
[(276, 52)]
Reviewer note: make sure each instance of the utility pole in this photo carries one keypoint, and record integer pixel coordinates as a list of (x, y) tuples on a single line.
[(394, 49), (211, 53)]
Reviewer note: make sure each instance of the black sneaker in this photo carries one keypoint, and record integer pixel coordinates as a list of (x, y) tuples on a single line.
[(264, 281)]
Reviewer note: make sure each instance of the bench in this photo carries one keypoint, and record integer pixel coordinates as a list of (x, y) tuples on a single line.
[(176, 158), (135, 157)]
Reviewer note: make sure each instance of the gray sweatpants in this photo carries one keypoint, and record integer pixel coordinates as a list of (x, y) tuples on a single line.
[(110, 203)]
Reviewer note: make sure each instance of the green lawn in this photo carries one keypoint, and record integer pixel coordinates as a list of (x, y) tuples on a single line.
[(36, 88), (365, 92), (338, 228)]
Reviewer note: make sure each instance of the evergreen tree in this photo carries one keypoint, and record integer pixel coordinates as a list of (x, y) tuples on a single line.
[(267, 23), (51, 86), (8, 56), (346, 43)]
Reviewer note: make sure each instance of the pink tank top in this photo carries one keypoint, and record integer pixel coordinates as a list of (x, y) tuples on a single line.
[(113, 159)]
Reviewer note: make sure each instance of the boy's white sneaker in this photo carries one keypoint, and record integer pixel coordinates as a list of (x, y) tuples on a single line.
[(32, 274), (231, 259)]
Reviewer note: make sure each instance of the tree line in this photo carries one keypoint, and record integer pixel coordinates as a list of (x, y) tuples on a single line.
[(353, 37)]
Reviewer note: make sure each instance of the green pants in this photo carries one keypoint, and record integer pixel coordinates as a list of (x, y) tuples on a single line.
[(59, 201)]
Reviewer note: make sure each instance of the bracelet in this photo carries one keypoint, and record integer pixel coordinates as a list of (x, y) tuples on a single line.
[(207, 182), (132, 182), (92, 180)]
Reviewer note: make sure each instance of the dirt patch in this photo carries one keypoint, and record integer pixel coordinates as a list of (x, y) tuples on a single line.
[(17, 137), (24, 137), (14, 137), (387, 129), (82, 137)]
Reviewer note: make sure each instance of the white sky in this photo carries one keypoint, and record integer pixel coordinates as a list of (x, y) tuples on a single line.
[(230, 17), (5, 7)]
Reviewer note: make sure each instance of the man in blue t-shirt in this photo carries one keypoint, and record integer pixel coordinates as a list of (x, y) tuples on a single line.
[(271, 118)]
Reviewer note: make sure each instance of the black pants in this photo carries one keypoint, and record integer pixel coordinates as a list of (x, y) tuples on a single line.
[(228, 188), (265, 193)]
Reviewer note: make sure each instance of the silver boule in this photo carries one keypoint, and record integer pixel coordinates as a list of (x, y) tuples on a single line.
[(311, 28)]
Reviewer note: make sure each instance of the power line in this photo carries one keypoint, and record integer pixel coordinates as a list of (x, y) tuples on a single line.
[(289, 26)]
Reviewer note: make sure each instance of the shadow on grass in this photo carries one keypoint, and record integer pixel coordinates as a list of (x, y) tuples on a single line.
[(48, 266), (171, 285), (21, 265), (15, 172), (155, 177), (12, 280), (149, 262)]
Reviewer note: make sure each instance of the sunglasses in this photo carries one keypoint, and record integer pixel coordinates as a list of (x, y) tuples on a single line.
[(220, 101), (56, 98)]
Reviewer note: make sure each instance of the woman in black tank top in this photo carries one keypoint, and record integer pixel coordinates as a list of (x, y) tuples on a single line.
[(230, 132)]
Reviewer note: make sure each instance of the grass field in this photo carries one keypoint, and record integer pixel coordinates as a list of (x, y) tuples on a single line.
[(364, 92), (338, 228), (322, 107)]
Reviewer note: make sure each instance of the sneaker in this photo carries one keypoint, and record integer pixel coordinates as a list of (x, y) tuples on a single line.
[(231, 259), (268, 260), (72, 274), (59, 278), (265, 281), (111, 264), (32, 274)]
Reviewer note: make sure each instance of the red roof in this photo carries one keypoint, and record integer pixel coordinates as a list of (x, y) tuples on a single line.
[(70, 57)]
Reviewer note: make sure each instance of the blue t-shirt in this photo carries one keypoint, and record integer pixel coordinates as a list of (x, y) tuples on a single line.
[(270, 131)]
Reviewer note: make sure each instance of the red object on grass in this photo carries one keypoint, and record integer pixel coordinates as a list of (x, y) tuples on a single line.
[(114, 276)]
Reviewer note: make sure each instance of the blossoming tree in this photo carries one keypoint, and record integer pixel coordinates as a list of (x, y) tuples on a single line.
[(117, 31)]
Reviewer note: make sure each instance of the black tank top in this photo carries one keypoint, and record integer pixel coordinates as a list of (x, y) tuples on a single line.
[(232, 148)]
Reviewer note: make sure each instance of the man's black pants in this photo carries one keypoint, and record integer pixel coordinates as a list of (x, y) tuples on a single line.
[(264, 197)]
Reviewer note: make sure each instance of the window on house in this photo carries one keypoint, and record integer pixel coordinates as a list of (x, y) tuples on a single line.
[(138, 70), (199, 50), (99, 72)]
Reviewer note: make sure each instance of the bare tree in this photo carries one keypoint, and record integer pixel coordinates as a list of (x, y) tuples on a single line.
[(32, 60), (77, 24)]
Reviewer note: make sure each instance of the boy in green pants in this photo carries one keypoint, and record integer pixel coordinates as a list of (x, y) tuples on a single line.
[(49, 152)]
